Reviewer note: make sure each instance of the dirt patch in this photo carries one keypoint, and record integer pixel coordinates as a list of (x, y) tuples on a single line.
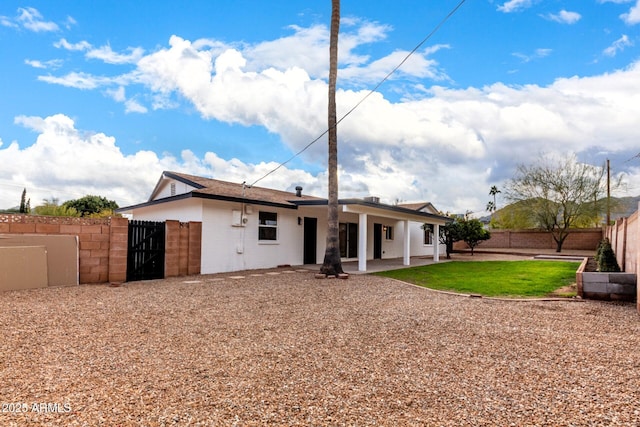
[(568, 291)]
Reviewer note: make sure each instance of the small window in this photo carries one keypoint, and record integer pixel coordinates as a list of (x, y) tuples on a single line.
[(388, 232), (268, 226), (428, 234)]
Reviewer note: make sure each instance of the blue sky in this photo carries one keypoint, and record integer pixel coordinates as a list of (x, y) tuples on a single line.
[(99, 97)]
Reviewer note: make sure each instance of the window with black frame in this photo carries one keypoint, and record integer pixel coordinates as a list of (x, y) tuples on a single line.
[(428, 234), (388, 232), (268, 226)]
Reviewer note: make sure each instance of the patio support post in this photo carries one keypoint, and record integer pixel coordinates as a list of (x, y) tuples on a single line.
[(406, 259), (436, 243), (362, 242)]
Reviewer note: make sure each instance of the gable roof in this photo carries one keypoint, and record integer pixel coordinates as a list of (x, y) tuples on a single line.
[(421, 206), (224, 190)]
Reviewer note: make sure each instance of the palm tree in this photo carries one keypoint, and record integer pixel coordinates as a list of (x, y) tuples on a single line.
[(332, 265), (493, 192), (491, 207)]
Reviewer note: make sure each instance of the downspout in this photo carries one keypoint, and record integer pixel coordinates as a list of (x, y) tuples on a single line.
[(242, 225)]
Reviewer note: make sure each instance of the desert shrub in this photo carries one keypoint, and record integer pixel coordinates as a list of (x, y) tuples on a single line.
[(606, 258)]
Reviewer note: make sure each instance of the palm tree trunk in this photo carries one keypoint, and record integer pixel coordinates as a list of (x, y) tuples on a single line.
[(332, 265)]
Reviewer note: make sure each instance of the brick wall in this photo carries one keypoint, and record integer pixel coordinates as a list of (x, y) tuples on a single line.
[(579, 239), (103, 243), (183, 248), (194, 252)]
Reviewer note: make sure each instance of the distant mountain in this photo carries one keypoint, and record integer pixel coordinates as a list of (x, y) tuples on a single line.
[(621, 207), (11, 210)]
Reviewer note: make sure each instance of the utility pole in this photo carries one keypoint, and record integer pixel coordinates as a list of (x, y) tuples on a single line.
[(608, 193)]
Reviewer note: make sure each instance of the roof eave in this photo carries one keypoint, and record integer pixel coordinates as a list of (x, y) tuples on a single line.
[(127, 209), (243, 200)]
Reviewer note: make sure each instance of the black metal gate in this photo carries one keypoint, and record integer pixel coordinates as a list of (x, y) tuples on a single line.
[(145, 252)]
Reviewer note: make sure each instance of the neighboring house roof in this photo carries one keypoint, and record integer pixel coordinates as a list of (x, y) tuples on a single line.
[(208, 188), (421, 206)]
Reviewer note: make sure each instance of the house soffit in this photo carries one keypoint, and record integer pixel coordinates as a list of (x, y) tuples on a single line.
[(397, 215)]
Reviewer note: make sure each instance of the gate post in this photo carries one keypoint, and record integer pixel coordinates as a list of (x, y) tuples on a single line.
[(118, 239), (195, 248), (172, 248)]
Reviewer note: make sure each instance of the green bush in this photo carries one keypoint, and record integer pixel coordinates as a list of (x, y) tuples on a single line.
[(606, 258)]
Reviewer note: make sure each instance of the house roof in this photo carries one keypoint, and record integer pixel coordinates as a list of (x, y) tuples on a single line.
[(393, 211), (208, 188), (224, 190)]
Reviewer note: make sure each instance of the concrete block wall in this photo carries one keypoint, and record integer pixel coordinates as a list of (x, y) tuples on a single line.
[(579, 239), (183, 258), (118, 245), (194, 253), (624, 235), (103, 243), (632, 246), (183, 248), (172, 249)]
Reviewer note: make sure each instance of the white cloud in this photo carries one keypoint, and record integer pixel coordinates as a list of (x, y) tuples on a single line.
[(32, 20), (515, 5), (564, 17), (53, 63), (133, 106), (107, 55), (70, 22), (417, 65), (618, 46), (80, 46), (77, 80), (5, 21), (537, 54), (307, 48), (81, 163), (118, 94), (633, 16)]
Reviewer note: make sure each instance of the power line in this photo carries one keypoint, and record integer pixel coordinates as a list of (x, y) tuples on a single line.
[(435, 30)]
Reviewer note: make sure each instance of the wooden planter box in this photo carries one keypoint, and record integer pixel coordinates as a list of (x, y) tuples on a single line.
[(605, 286)]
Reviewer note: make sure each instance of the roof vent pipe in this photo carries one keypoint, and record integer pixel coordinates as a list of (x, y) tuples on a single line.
[(298, 191)]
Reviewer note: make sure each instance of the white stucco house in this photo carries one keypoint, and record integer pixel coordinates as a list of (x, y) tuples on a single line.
[(253, 227)]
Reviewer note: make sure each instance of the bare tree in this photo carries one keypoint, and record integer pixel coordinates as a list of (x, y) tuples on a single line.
[(332, 265), (558, 193)]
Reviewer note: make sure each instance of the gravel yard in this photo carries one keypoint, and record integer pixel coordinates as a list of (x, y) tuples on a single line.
[(289, 349)]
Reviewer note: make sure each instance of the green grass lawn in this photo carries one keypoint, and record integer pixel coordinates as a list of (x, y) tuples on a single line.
[(492, 278)]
